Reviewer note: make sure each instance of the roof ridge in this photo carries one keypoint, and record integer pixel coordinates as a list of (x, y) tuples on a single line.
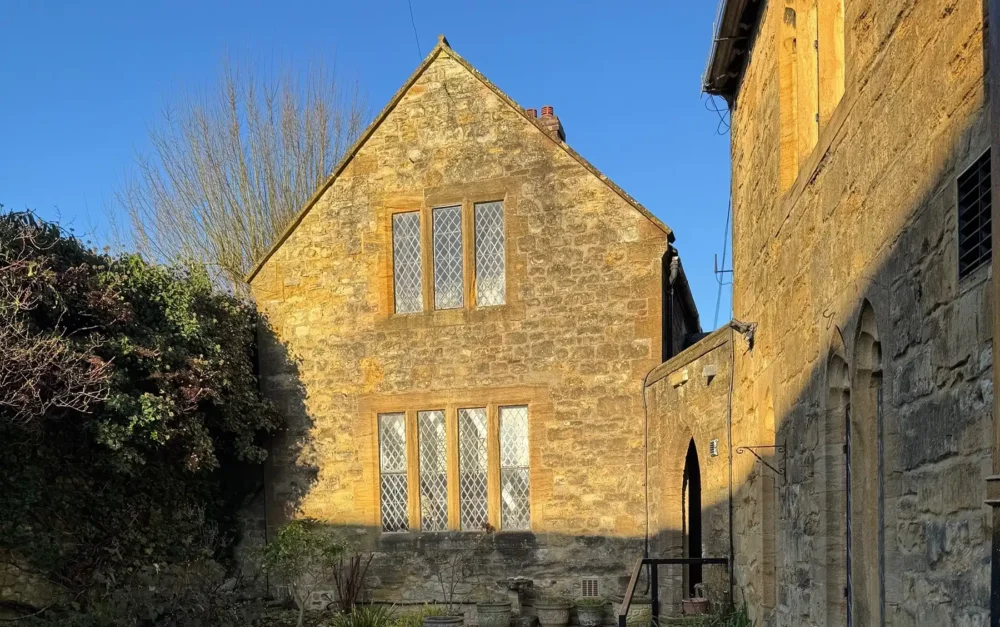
[(442, 46)]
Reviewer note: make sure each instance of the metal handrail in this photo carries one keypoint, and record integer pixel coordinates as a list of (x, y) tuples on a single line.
[(654, 582)]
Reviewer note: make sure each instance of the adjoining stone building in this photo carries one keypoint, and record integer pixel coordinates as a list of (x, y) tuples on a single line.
[(861, 191), (541, 373), (460, 324)]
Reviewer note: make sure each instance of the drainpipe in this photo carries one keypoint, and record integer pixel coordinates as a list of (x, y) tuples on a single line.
[(671, 268), (993, 481)]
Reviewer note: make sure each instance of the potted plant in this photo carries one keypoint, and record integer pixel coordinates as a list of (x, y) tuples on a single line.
[(493, 612), (447, 616), (590, 611), (697, 605), (553, 612), (303, 556), (493, 608), (640, 611)]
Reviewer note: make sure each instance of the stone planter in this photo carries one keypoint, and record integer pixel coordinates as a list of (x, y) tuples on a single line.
[(590, 615), (493, 614), (553, 613), (640, 611), (443, 621)]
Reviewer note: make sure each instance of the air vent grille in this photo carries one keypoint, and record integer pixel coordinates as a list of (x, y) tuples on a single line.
[(590, 588), (975, 242)]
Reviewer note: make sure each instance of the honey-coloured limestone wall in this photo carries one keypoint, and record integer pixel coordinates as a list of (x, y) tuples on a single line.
[(688, 398), (849, 268), (580, 329)]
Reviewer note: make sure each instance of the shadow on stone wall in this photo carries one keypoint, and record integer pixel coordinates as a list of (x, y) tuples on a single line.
[(288, 450), (907, 331), (900, 349)]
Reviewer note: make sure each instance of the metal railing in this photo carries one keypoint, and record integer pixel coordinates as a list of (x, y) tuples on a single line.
[(654, 581)]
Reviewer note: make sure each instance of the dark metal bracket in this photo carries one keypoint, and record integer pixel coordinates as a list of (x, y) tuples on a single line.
[(777, 448)]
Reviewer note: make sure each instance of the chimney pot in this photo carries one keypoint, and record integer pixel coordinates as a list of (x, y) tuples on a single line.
[(551, 124), (532, 113)]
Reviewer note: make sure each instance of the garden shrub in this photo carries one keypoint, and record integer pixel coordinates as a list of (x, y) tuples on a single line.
[(132, 423)]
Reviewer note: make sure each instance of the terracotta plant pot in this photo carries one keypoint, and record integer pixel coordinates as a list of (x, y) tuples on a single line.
[(553, 613), (640, 611), (590, 615), (695, 607), (494, 614), (443, 621)]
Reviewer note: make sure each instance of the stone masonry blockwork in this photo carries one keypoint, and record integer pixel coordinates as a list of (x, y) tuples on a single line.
[(851, 274), (580, 329)]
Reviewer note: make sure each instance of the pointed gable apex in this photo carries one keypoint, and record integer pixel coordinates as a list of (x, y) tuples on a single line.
[(444, 48)]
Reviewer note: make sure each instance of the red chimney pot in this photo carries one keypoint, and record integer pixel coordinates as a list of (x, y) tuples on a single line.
[(548, 110), (532, 113)]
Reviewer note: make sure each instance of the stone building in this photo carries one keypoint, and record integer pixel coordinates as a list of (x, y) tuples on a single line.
[(469, 324), (460, 323), (858, 413)]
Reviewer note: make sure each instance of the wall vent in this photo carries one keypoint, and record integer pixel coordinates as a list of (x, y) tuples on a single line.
[(713, 448), (590, 588), (975, 242)]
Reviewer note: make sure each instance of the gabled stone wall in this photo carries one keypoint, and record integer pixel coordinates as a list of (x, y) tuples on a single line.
[(579, 331)]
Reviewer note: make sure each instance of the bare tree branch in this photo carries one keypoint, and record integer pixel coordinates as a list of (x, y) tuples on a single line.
[(229, 171)]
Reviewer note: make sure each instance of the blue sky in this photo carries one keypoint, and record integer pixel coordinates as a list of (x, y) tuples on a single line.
[(82, 82)]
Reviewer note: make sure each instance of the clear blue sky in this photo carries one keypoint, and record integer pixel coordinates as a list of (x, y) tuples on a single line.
[(82, 81)]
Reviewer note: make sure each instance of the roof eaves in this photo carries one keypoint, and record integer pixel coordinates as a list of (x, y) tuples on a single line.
[(562, 144), (735, 27), (443, 46)]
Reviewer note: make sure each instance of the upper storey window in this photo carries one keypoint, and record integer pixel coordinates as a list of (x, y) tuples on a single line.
[(491, 267), (407, 271), (449, 276), (811, 70), (457, 252)]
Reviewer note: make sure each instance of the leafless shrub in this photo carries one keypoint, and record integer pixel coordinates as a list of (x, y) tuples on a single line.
[(230, 167)]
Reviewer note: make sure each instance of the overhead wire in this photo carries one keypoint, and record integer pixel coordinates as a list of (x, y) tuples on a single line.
[(416, 38), (724, 113), (720, 272)]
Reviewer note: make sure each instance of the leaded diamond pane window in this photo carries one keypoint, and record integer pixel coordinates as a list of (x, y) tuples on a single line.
[(449, 282), (515, 510), (491, 268), (433, 471), (472, 468), (406, 266), (392, 463)]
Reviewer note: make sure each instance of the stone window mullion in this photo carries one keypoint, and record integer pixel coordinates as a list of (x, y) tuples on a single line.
[(493, 464), (469, 250), (454, 514), (413, 469), (427, 259)]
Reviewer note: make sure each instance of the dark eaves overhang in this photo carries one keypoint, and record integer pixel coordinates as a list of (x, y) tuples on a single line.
[(735, 27)]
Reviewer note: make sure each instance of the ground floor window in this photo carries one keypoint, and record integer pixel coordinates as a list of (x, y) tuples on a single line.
[(470, 466), (392, 463), (515, 486)]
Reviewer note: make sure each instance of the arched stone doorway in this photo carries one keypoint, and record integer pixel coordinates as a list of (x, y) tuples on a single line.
[(691, 506)]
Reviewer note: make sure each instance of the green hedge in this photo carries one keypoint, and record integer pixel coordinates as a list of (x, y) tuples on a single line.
[(130, 418)]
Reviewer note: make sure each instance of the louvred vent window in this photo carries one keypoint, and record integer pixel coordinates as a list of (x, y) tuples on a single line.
[(975, 243)]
